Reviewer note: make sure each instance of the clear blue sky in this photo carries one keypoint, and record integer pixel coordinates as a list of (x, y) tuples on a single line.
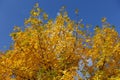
[(13, 12)]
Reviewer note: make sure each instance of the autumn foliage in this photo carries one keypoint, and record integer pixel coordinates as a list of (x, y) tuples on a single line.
[(61, 49)]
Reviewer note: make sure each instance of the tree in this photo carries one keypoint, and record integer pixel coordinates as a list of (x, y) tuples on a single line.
[(60, 49)]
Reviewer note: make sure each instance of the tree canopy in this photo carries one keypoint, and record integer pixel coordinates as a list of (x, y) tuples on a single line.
[(61, 49)]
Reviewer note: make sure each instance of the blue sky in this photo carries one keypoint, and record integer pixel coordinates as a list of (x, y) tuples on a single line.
[(13, 12)]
